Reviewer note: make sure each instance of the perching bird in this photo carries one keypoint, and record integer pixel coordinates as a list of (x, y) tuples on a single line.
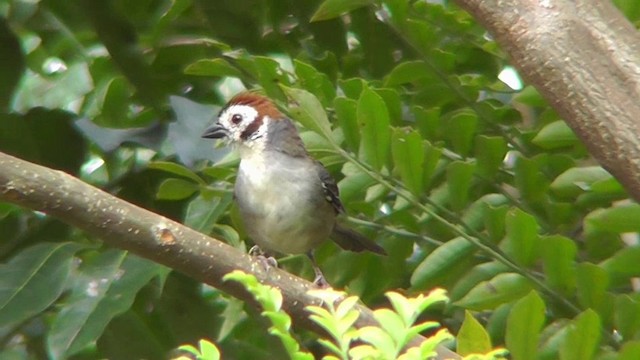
[(287, 200)]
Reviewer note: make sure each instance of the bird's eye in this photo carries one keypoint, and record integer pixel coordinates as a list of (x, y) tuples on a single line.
[(236, 118)]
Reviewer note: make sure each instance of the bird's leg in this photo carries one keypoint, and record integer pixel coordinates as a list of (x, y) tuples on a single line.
[(266, 261), (319, 281)]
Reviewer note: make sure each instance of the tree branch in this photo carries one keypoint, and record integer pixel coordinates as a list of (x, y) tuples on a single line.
[(584, 58), (149, 235)]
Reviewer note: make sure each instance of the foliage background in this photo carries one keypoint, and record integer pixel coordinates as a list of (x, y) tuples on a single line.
[(468, 183)]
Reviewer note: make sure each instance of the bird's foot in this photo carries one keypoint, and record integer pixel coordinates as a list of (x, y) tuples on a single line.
[(321, 282), (266, 261)]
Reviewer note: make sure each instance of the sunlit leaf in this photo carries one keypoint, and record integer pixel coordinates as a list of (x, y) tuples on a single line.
[(472, 337), (523, 326), (583, 337)]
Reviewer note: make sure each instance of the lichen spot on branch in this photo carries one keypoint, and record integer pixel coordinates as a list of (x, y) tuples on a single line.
[(10, 192), (163, 234)]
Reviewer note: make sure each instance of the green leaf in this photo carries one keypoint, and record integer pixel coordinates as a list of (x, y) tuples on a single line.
[(523, 327), (212, 67), (627, 316), (592, 283), (12, 63), (490, 152), (309, 111), (346, 113), (475, 214), (497, 322), (558, 255), (407, 72), (33, 279), (334, 8), (530, 179), (420, 33), (619, 219), (630, 351), (408, 157), (431, 159), (495, 216), (271, 76), (352, 88), (373, 120), (461, 129), (490, 294), (379, 339), (176, 189), (472, 337), (229, 234), (209, 350), (555, 135), (440, 262), (459, 176), (583, 337), (315, 82), (576, 181), (114, 111), (391, 323), (202, 213), (623, 264), (393, 102), (354, 184), (530, 96), (609, 186), (522, 237), (176, 169), (482, 272), (105, 286), (428, 122)]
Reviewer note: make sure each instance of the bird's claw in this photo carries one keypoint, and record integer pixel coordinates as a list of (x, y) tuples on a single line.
[(267, 262), (321, 282)]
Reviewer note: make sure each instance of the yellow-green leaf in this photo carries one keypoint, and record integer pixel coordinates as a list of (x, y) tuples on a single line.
[(472, 337), (523, 327)]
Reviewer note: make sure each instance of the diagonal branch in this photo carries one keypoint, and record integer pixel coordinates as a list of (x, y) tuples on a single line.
[(126, 226)]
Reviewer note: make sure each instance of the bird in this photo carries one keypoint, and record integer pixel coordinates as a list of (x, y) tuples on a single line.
[(288, 201)]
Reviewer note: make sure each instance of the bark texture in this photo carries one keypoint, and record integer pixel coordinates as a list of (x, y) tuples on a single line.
[(583, 56)]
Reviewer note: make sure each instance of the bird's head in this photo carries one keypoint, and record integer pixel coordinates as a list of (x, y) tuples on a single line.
[(244, 119)]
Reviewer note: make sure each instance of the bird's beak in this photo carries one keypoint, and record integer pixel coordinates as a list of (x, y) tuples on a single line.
[(215, 131)]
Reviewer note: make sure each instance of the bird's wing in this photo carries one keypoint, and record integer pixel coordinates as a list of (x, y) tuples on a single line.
[(330, 188)]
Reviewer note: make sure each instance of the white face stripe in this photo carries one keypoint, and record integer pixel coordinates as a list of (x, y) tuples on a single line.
[(248, 113)]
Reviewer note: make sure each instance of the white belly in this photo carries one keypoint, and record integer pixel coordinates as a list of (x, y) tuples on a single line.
[(283, 205)]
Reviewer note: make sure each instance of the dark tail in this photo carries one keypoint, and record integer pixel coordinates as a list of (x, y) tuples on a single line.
[(353, 241)]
